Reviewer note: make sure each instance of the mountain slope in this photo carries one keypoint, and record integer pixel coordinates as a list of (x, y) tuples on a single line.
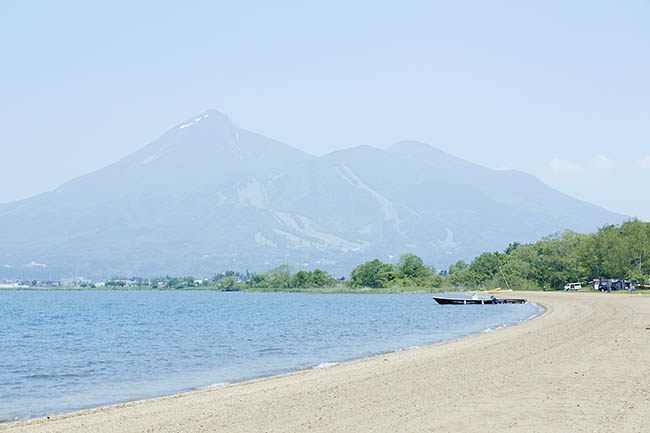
[(441, 207), (209, 196)]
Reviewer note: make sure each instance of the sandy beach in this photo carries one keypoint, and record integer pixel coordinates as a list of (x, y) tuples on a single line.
[(583, 366)]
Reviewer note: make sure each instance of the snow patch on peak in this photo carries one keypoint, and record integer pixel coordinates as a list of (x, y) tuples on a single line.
[(195, 120)]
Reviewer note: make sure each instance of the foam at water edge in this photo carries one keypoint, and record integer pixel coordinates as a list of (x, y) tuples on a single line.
[(214, 385), (326, 364)]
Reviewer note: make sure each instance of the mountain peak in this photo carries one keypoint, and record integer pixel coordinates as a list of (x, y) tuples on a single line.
[(208, 196), (205, 149), (412, 146), (211, 116), (418, 150), (441, 160)]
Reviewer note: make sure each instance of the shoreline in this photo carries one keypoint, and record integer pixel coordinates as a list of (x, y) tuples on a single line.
[(472, 372), (307, 290), (539, 310)]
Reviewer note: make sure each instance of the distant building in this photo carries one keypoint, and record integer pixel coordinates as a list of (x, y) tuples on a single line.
[(13, 285)]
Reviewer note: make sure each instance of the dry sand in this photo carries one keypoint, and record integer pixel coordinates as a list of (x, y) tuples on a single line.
[(583, 366)]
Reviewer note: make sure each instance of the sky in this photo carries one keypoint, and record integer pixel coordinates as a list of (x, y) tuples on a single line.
[(557, 89)]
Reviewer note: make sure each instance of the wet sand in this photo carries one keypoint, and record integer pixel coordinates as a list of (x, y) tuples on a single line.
[(583, 366)]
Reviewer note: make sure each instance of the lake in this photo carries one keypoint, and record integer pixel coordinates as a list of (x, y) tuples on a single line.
[(68, 350)]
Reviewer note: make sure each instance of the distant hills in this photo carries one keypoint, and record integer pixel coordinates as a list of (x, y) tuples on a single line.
[(208, 196)]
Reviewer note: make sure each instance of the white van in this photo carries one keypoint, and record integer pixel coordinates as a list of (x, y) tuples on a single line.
[(573, 286)]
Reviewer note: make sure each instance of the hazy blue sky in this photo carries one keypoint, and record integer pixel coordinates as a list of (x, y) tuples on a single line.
[(558, 89)]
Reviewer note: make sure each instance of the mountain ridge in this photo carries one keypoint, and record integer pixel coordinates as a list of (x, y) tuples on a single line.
[(208, 196)]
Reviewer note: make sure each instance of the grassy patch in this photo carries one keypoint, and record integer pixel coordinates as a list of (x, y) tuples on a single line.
[(633, 292)]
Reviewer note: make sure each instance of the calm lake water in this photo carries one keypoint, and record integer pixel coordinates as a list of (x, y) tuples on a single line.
[(63, 351)]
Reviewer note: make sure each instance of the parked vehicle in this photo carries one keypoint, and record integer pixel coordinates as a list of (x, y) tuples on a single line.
[(605, 286), (573, 286), (621, 284)]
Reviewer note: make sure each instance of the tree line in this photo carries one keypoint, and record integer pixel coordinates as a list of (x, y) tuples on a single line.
[(277, 278), (614, 251)]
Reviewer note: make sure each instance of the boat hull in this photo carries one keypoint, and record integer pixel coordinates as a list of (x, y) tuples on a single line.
[(461, 301)]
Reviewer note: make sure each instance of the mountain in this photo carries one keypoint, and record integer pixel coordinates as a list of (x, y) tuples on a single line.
[(208, 196)]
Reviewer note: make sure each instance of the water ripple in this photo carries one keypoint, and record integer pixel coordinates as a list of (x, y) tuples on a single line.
[(63, 351)]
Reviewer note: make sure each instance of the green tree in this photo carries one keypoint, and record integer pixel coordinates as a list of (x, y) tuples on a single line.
[(591, 256), (638, 235), (302, 279), (621, 252), (279, 277), (458, 266), (558, 261), (373, 274), (619, 255), (521, 267), (485, 266), (465, 278), (258, 281), (412, 267), (435, 280), (322, 279), (228, 284)]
